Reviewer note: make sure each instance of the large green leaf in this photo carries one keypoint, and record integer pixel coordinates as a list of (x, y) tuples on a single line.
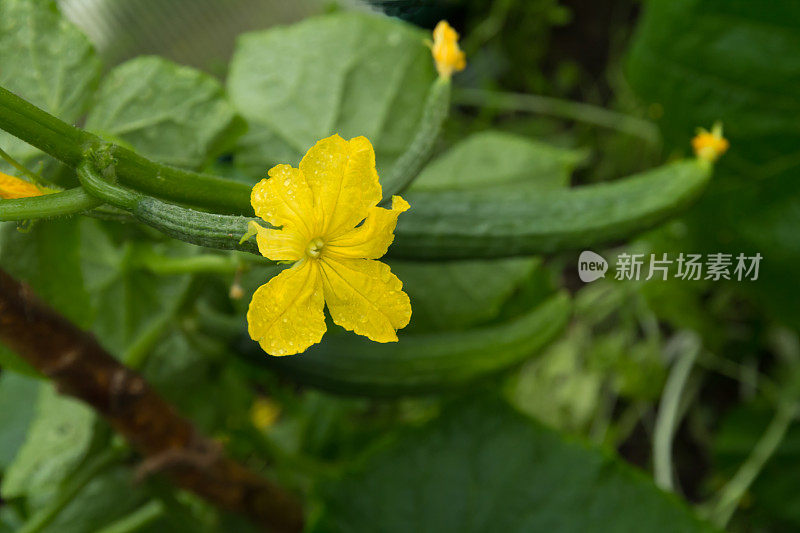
[(560, 388), (482, 467), (459, 294), (348, 73), (17, 401), (497, 159), (46, 60), (178, 369), (113, 501), (736, 61), (422, 363), (108, 496), (127, 298), (57, 441), (167, 112), (9, 520)]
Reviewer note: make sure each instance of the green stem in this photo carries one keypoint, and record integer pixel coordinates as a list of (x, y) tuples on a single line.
[(669, 413), (38, 128), (74, 485), (19, 166), (728, 499), (69, 144), (195, 264), (136, 355), (409, 164), (69, 202), (556, 107), (138, 352), (143, 516), (183, 186)]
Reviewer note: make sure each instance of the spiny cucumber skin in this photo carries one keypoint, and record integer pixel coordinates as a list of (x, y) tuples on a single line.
[(196, 227), (409, 164)]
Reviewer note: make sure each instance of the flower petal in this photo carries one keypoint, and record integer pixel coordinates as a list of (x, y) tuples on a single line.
[(286, 315), (365, 297), (280, 245), (372, 238), (344, 182), (12, 188), (284, 199)]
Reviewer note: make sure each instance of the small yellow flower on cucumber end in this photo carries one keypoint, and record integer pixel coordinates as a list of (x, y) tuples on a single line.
[(710, 145), (447, 55)]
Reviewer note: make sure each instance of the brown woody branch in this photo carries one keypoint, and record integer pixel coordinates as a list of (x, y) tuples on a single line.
[(81, 368)]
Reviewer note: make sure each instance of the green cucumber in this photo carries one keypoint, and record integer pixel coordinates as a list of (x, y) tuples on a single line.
[(420, 363), (459, 224), (189, 225), (499, 223), (211, 230)]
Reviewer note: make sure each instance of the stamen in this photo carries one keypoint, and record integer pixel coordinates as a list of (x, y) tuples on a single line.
[(315, 248)]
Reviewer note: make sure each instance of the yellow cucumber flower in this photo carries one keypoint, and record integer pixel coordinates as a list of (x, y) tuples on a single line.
[(709, 145), (12, 188), (332, 230), (448, 56)]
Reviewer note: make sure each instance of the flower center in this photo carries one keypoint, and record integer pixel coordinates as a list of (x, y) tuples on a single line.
[(315, 247)]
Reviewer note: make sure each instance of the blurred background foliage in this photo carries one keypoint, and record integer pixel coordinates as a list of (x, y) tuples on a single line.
[(643, 75)]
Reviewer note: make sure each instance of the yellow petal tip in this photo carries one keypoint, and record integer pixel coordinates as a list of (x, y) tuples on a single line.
[(399, 204), (12, 188)]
